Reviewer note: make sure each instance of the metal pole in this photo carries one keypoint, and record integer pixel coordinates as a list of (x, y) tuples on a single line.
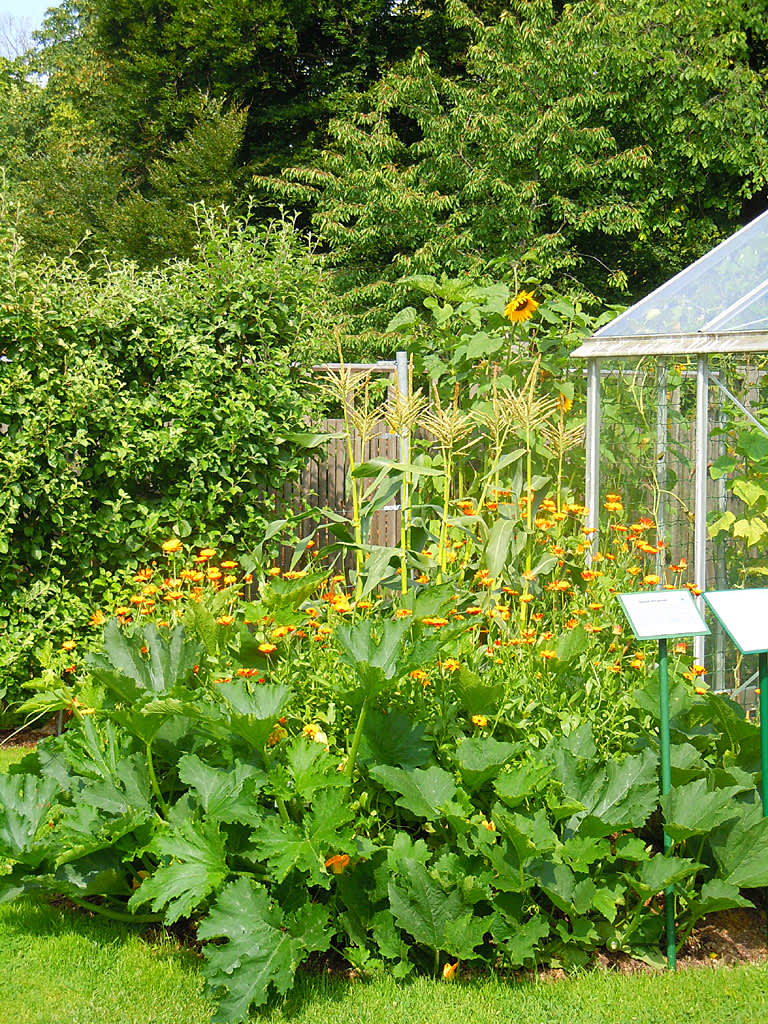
[(763, 669), (592, 480), (666, 784), (662, 420), (700, 511), (403, 386)]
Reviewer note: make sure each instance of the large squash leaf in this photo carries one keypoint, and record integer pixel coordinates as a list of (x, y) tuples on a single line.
[(193, 866), (262, 948)]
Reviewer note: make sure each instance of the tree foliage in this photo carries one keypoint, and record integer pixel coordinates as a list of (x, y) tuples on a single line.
[(600, 141), (138, 404)]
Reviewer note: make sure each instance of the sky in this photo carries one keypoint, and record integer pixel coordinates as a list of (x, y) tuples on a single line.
[(31, 10)]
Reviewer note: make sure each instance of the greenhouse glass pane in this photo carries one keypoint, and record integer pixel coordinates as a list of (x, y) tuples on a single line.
[(752, 316), (698, 294)]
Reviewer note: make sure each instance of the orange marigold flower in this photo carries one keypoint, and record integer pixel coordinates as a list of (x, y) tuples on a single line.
[(171, 546), (206, 553), (173, 595), (295, 574), (213, 573), (69, 645), (480, 721), (403, 613), (634, 570), (651, 579), (267, 648), (338, 863), (97, 618), (489, 826), (436, 621), (451, 665), (681, 648), (422, 579), (278, 733), (225, 620), (547, 654), (449, 971), (274, 571), (229, 564)]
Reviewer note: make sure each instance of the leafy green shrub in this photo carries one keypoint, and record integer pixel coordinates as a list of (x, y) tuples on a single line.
[(142, 402), (285, 780)]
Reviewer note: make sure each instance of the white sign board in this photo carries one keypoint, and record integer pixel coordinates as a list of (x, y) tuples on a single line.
[(743, 614), (663, 614)]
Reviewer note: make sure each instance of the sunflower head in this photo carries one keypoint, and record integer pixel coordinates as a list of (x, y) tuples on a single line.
[(521, 308)]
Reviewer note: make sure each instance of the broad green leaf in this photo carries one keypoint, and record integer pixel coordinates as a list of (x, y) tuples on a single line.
[(529, 834), (312, 768), (201, 621), (480, 759), (404, 320), (373, 650), (439, 920), (124, 669), (572, 645), (752, 530), (225, 794), (694, 809), (654, 875), (620, 796), (324, 832), (258, 953), (393, 739), (516, 784), (192, 866), (425, 792), (750, 491), (25, 801), (716, 895), (742, 854), (517, 941)]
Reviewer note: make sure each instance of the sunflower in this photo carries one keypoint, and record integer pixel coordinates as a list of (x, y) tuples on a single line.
[(521, 308)]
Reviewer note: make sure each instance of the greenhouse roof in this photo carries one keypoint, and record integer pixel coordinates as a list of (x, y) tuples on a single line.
[(717, 304)]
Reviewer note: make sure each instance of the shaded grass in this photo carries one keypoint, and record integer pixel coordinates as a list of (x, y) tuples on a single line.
[(58, 967), (10, 755)]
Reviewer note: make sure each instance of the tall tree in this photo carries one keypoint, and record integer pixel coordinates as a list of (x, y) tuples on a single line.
[(601, 142)]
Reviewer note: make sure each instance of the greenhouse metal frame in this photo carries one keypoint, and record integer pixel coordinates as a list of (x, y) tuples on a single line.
[(717, 305)]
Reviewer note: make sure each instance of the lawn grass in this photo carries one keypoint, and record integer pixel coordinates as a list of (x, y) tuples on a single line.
[(10, 755), (58, 967)]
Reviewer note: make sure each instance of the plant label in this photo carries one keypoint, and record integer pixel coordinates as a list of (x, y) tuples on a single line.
[(743, 614), (663, 614)]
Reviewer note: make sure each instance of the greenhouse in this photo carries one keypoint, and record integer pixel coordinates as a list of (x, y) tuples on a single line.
[(697, 348)]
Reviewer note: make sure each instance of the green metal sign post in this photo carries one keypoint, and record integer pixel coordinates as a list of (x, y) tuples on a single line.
[(664, 615), (743, 614), (666, 785)]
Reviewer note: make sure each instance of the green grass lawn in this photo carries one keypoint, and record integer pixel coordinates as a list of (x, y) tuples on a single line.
[(58, 967)]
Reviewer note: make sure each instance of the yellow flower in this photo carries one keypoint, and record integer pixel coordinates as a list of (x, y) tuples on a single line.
[(480, 721), (651, 580), (171, 546), (338, 863), (403, 613), (451, 665), (97, 619), (433, 620), (521, 308), (69, 645), (206, 553), (274, 571), (547, 655), (267, 648), (449, 970), (225, 620)]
